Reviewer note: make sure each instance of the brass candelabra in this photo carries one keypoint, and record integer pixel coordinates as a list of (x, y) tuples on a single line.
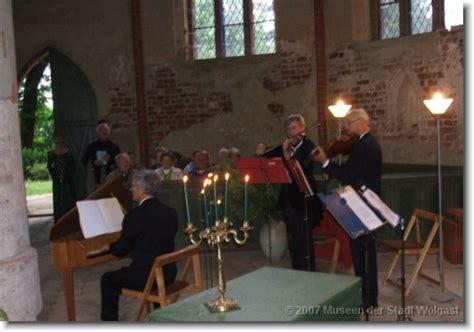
[(222, 232)]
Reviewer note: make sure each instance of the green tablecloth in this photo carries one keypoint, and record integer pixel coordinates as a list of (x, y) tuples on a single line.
[(275, 295)]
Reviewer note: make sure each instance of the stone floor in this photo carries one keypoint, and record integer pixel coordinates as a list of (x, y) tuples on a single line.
[(238, 262)]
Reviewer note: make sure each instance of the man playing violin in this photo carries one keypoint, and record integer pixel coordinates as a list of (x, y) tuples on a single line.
[(363, 167), (291, 201)]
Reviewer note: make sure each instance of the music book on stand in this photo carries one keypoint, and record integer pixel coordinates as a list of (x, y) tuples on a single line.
[(101, 216), (355, 214)]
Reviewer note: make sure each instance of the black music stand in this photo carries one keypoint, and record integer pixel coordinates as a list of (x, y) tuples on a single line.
[(305, 188)]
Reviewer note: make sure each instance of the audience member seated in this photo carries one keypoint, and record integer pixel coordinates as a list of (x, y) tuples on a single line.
[(235, 154), (133, 161), (124, 170), (167, 171), (148, 231), (202, 165), (189, 167), (224, 155), (158, 153), (101, 154)]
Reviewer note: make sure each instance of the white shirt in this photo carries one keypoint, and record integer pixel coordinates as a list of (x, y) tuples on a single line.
[(296, 147), (145, 199)]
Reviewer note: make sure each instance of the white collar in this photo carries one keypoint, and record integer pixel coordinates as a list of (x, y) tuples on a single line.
[(145, 199), (297, 147), (362, 135)]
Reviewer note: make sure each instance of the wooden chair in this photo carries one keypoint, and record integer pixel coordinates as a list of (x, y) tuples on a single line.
[(323, 239), (418, 247), (155, 290)]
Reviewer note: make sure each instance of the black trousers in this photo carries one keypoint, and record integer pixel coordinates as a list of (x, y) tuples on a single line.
[(112, 283), (369, 285), (300, 239)]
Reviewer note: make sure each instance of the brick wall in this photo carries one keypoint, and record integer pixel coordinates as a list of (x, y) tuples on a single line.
[(293, 69), (176, 105), (391, 78), (122, 113), (179, 97)]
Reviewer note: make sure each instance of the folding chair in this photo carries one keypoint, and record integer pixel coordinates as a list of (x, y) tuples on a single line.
[(417, 247), (155, 290)]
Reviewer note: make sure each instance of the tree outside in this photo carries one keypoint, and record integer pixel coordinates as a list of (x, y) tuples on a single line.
[(36, 127)]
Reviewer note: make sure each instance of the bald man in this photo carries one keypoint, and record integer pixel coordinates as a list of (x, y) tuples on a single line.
[(363, 167)]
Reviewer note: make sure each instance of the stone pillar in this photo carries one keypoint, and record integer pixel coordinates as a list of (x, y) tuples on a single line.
[(20, 294)]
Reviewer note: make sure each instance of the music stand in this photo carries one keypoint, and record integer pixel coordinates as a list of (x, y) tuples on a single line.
[(263, 171), (305, 188)]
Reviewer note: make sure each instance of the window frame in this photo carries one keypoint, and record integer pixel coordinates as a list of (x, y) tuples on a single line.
[(219, 42), (405, 18)]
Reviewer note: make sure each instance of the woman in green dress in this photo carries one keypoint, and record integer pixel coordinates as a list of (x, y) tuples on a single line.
[(61, 167)]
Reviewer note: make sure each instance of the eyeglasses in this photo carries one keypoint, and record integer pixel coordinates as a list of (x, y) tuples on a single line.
[(348, 123)]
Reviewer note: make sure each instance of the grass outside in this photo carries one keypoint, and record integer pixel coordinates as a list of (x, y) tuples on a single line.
[(38, 187)]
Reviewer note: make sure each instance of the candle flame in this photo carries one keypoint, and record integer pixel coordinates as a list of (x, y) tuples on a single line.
[(185, 178), (227, 176), (247, 177), (216, 177), (218, 202), (210, 175), (202, 192)]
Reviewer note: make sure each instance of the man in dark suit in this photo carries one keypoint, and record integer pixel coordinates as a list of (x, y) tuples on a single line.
[(291, 201), (148, 231), (363, 167)]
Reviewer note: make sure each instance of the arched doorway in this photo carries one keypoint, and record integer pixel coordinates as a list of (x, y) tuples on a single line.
[(74, 104)]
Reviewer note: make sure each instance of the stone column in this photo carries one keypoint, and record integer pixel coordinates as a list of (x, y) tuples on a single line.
[(20, 294)]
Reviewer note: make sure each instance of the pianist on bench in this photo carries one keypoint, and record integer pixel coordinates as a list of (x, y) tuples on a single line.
[(148, 231)]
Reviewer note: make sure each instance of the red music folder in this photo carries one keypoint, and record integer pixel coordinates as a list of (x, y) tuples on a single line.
[(263, 170), (300, 179)]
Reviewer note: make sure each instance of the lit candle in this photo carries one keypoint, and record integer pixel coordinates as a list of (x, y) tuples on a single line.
[(216, 208), (246, 199), (185, 180), (204, 199), (227, 176)]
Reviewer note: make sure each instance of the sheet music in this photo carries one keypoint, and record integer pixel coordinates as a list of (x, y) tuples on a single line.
[(362, 211), (91, 219), (98, 217), (112, 213), (374, 200)]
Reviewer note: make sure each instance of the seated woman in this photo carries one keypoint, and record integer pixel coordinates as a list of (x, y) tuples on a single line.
[(167, 171), (159, 151), (124, 170), (61, 167)]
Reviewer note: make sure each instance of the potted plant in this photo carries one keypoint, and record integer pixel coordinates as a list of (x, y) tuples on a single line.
[(262, 211), (3, 315)]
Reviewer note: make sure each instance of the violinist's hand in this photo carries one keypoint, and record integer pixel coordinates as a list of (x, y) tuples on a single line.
[(260, 149), (319, 155), (286, 144)]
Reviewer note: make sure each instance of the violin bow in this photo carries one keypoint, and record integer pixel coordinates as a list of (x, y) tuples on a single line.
[(313, 126)]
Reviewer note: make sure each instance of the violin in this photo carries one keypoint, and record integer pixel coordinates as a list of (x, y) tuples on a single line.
[(341, 145), (296, 139)]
